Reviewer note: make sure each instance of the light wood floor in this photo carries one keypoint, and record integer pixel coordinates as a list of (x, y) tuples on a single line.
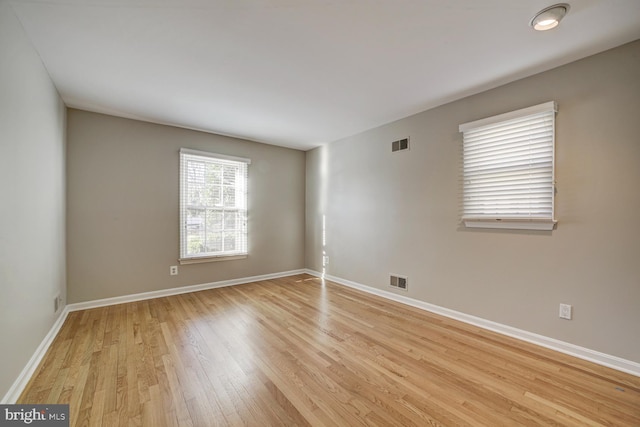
[(293, 351)]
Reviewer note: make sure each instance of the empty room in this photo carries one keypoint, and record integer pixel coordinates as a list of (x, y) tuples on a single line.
[(320, 213)]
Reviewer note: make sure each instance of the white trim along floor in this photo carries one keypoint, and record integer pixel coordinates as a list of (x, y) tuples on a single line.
[(603, 359)]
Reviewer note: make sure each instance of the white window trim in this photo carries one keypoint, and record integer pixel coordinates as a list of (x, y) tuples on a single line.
[(540, 108), (522, 223), (207, 257), (215, 155), (203, 259)]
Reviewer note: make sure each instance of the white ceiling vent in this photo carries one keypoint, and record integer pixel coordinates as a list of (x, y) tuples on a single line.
[(399, 282), (399, 145)]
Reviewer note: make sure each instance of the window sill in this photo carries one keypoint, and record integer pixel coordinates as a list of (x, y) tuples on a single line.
[(201, 260), (513, 224)]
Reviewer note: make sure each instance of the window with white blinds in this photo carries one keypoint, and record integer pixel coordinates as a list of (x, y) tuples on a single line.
[(213, 206), (508, 170)]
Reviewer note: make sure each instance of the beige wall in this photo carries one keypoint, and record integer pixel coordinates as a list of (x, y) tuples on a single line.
[(123, 207), (32, 191), (400, 212)]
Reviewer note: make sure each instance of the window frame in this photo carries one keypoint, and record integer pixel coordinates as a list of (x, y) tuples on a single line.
[(241, 190), (522, 220)]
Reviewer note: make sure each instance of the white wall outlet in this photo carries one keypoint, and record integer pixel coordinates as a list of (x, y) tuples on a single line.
[(173, 270), (565, 311), (56, 303)]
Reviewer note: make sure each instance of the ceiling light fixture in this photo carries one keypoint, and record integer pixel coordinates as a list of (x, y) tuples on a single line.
[(549, 17)]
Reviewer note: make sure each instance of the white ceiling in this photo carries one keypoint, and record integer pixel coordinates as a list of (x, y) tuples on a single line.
[(301, 73)]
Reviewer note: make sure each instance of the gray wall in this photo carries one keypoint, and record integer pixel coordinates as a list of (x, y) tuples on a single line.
[(122, 207), (400, 212), (32, 190)]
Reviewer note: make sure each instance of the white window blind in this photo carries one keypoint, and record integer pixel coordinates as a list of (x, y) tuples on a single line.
[(508, 169), (213, 205)]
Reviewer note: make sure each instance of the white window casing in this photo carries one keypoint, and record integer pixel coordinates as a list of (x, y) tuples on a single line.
[(213, 206), (509, 170)]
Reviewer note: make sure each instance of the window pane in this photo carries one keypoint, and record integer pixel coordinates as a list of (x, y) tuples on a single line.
[(229, 241), (214, 241), (194, 197), (214, 196), (195, 230), (229, 195), (230, 175), (214, 174), (195, 172), (229, 221), (214, 220)]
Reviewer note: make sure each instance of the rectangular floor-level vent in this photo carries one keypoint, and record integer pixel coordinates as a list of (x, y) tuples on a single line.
[(399, 282), (401, 144)]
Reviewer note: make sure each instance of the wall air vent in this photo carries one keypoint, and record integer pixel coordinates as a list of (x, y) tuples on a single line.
[(398, 282), (399, 145)]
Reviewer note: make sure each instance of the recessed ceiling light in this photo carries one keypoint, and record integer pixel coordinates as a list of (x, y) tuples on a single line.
[(549, 17)]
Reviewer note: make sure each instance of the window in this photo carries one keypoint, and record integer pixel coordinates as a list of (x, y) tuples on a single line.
[(213, 206), (508, 170)]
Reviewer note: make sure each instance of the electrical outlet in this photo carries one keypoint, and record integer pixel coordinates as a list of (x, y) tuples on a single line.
[(565, 311), (173, 270), (58, 303)]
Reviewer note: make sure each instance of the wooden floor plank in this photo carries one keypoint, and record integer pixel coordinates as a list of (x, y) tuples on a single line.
[(302, 351)]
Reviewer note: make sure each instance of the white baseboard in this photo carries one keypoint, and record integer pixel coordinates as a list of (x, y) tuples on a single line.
[(603, 359), (614, 362), (21, 382), (177, 291)]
